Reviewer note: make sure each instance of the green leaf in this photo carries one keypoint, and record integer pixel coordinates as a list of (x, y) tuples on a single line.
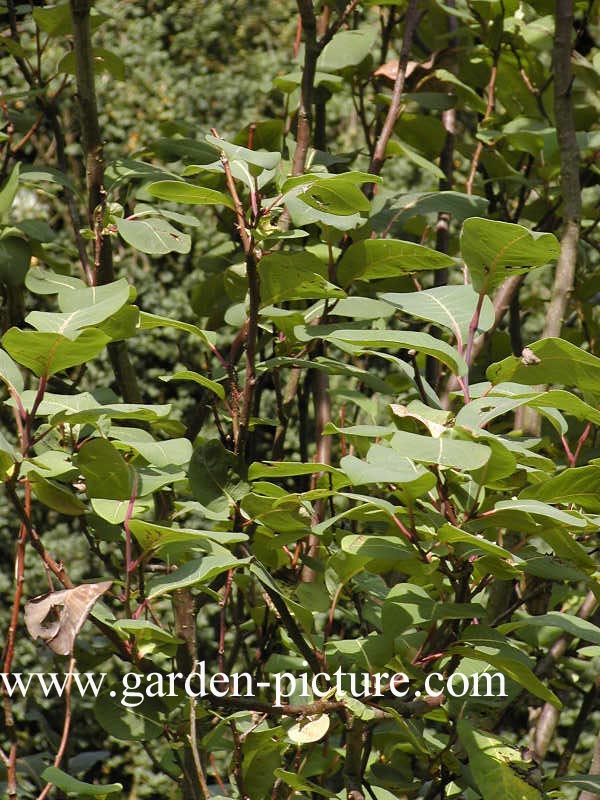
[(294, 276), (488, 645), (560, 362), (494, 251), (84, 308), (302, 214), (125, 716), (335, 195), (347, 50), (123, 170), (443, 451), (151, 535), (477, 543), (104, 61), (181, 192), (384, 549), (149, 637), (153, 235), (291, 80), (516, 508), (373, 259), (450, 306), (10, 374), (32, 174), (106, 473), (150, 321), (577, 486), (286, 469), (7, 457), (587, 783), (159, 454), (75, 788), (363, 308), (36, 229), (406, 606), (181, 147), (94, 413), (195, 377), (396, 148), (575, 626), (301, 784), (422, 342), (216, 475), (493, 775), (115, 511), (383, 465), (55, 496), (198, 570), (235, 152), (9, 190), (45, 281), (466, 93), (15, 257), (49, 353), (56, 20), (460, 206)]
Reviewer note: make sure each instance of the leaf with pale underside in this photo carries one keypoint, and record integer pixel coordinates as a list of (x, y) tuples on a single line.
[(70, 608)]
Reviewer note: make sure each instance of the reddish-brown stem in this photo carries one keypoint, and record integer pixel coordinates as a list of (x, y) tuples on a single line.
[(62, 748), (9, 648), (581, 442), (473, 325), (491, 91)]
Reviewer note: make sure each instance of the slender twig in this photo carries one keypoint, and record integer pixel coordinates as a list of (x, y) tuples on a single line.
[(491, 92), (64, 739), (193, 740), (411, 21), (9, 648), (337, 24)]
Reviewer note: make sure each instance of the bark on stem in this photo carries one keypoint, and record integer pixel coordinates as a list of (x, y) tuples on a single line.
[(311, 53), (564, 275), (569, 168), (549, 715), (594, 770), (94, 167)]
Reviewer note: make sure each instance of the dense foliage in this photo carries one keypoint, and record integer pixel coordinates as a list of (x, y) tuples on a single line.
[(298, 356)]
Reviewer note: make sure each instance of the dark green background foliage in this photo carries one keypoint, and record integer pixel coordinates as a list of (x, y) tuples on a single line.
[(299, 350)]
